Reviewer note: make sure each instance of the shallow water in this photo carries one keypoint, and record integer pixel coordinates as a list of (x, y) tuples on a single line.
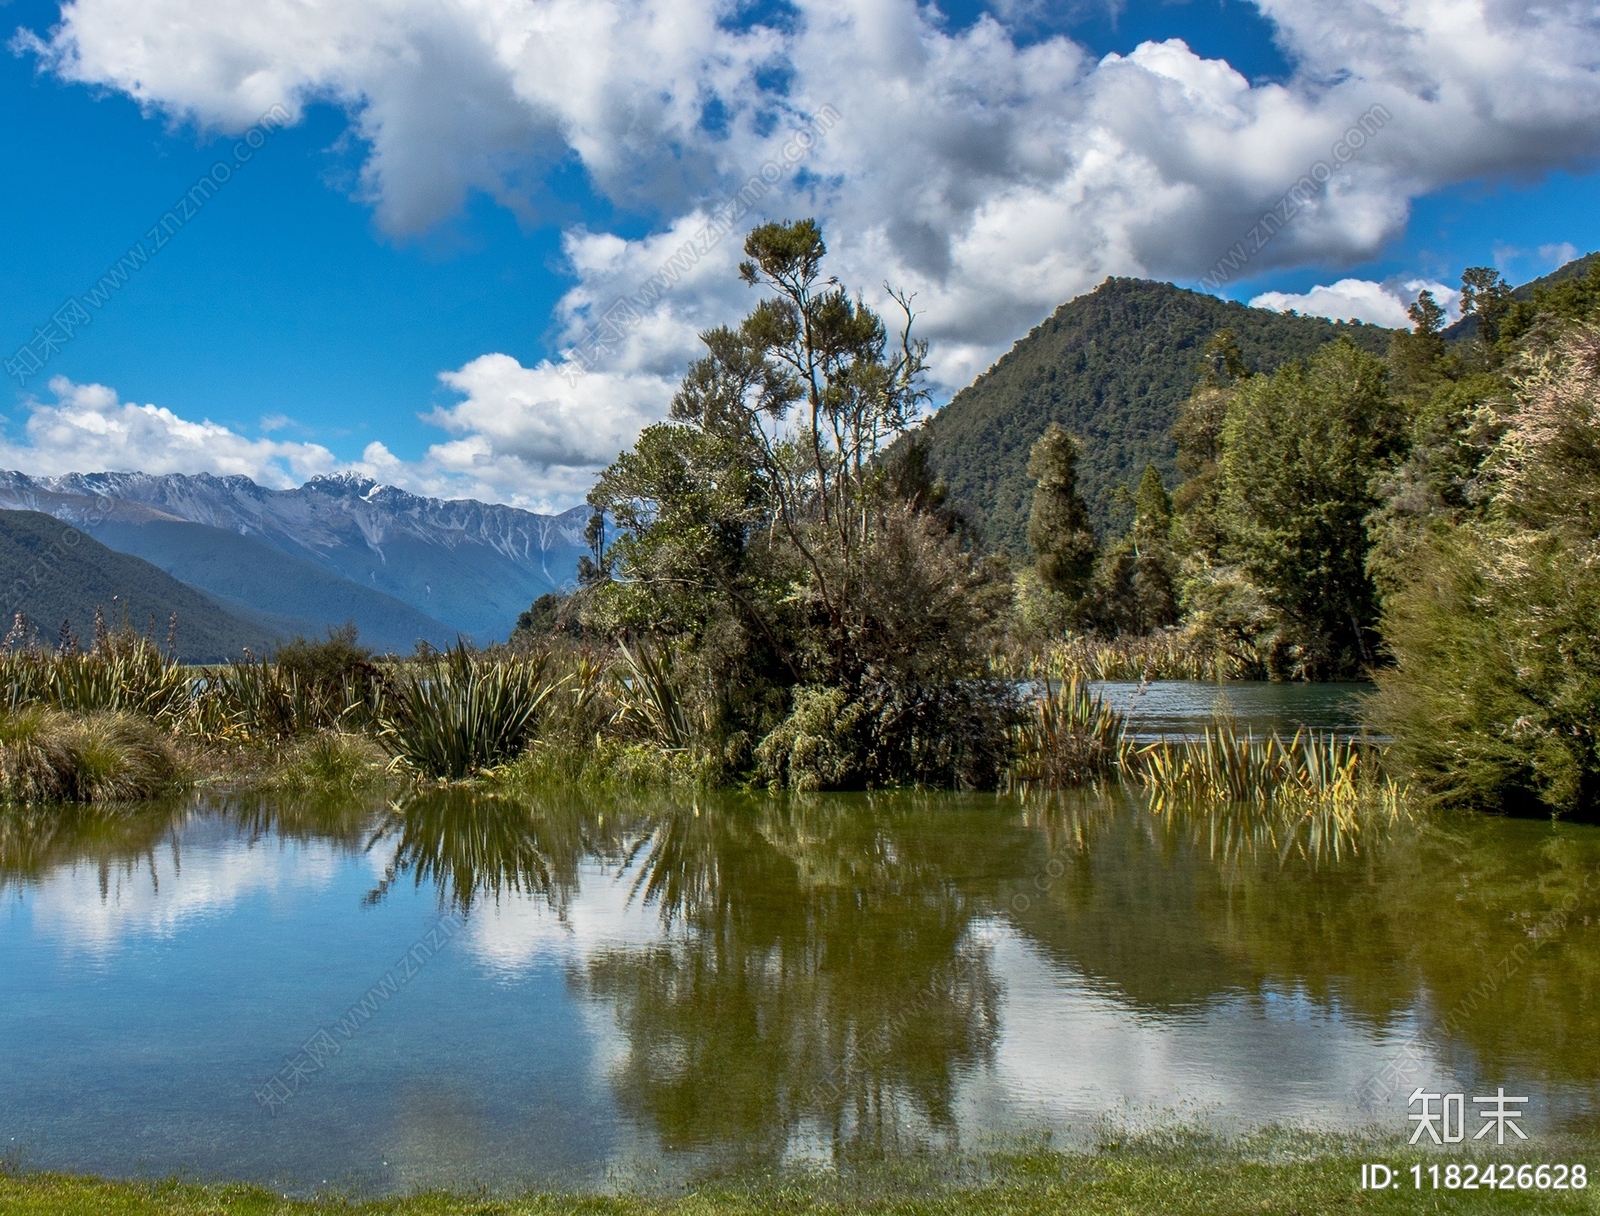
[(1181, 708), (582, 990)]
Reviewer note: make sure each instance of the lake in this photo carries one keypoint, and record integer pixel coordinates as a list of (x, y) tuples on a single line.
[(457, 989)]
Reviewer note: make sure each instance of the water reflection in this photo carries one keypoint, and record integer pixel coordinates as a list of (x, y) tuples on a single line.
[(763, 976), (817, 971), (471, 846)]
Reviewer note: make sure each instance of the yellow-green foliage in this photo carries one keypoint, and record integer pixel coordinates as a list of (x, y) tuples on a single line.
[(329, 762), (1232, 765), (814, 747), (1169, 654), (47, 756)]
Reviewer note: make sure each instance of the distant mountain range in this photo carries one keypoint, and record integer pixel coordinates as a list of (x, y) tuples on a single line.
[(338, 548), (51, 573)]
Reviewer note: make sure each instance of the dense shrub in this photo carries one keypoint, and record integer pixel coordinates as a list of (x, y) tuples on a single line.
[(1494, 696)]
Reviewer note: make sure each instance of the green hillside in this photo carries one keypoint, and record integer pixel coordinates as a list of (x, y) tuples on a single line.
[(52, 572), (1112, 367)]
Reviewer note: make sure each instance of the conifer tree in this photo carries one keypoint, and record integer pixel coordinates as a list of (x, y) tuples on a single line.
[(1058, 525)]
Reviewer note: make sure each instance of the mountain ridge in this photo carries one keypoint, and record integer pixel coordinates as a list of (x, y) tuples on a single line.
[(53, 573), (467, 565)]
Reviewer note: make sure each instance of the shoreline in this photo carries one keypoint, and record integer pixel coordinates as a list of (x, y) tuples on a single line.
[(1284, 1172)]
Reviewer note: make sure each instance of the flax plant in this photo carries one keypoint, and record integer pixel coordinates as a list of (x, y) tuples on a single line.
[(459, 714), (1229, 765)]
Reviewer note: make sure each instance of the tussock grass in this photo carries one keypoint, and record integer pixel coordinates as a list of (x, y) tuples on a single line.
[(110, 724), (48, 756), (329, 763)]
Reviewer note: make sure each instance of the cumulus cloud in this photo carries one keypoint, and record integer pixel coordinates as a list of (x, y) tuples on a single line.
[(1363, 300), (993, 178), (88, 429), (525, 436)]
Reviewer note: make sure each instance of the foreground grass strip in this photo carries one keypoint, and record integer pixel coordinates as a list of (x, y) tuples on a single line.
[(1108, 1182)]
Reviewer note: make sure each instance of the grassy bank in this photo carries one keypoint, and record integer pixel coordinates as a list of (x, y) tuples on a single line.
[(1281, 1177)]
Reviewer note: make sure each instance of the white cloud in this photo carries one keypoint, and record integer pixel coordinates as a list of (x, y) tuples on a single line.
[(525, 436), (87, 429), (1363, 300), (1555, 256), (993, 179)]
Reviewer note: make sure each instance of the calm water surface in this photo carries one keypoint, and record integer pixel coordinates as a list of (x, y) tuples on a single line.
[(610, 988), (1181, 708)]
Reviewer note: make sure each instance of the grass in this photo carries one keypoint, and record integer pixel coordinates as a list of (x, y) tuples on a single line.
[(1229, 764), (328, 763), (50, 756), (1167, 655), (1265, 1174), (459, 714)]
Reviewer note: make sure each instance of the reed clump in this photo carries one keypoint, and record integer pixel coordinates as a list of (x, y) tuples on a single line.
[(457, 714), (1067, 736), (1313, 772), (1169, 654), (124, 673)]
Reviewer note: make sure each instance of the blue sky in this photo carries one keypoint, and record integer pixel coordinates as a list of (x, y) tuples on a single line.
[(430, 212)]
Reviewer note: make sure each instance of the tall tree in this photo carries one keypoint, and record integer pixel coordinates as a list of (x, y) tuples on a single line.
[(1135, 582), (1058, 525), (791, 562), (1300, 452)]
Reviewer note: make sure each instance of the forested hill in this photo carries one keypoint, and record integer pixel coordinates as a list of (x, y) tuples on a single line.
[(1112, 367), (51, 573), (1467, 327)]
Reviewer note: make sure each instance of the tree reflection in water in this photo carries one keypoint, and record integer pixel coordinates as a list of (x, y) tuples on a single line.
[(820, 972), (818, 975)]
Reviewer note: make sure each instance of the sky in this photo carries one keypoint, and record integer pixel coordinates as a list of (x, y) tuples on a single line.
[(390, 237)]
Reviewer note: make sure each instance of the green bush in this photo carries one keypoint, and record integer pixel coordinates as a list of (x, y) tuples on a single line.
[(818, 746)]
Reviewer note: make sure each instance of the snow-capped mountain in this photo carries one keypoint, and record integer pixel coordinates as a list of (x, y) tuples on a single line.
[(460, 566)]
